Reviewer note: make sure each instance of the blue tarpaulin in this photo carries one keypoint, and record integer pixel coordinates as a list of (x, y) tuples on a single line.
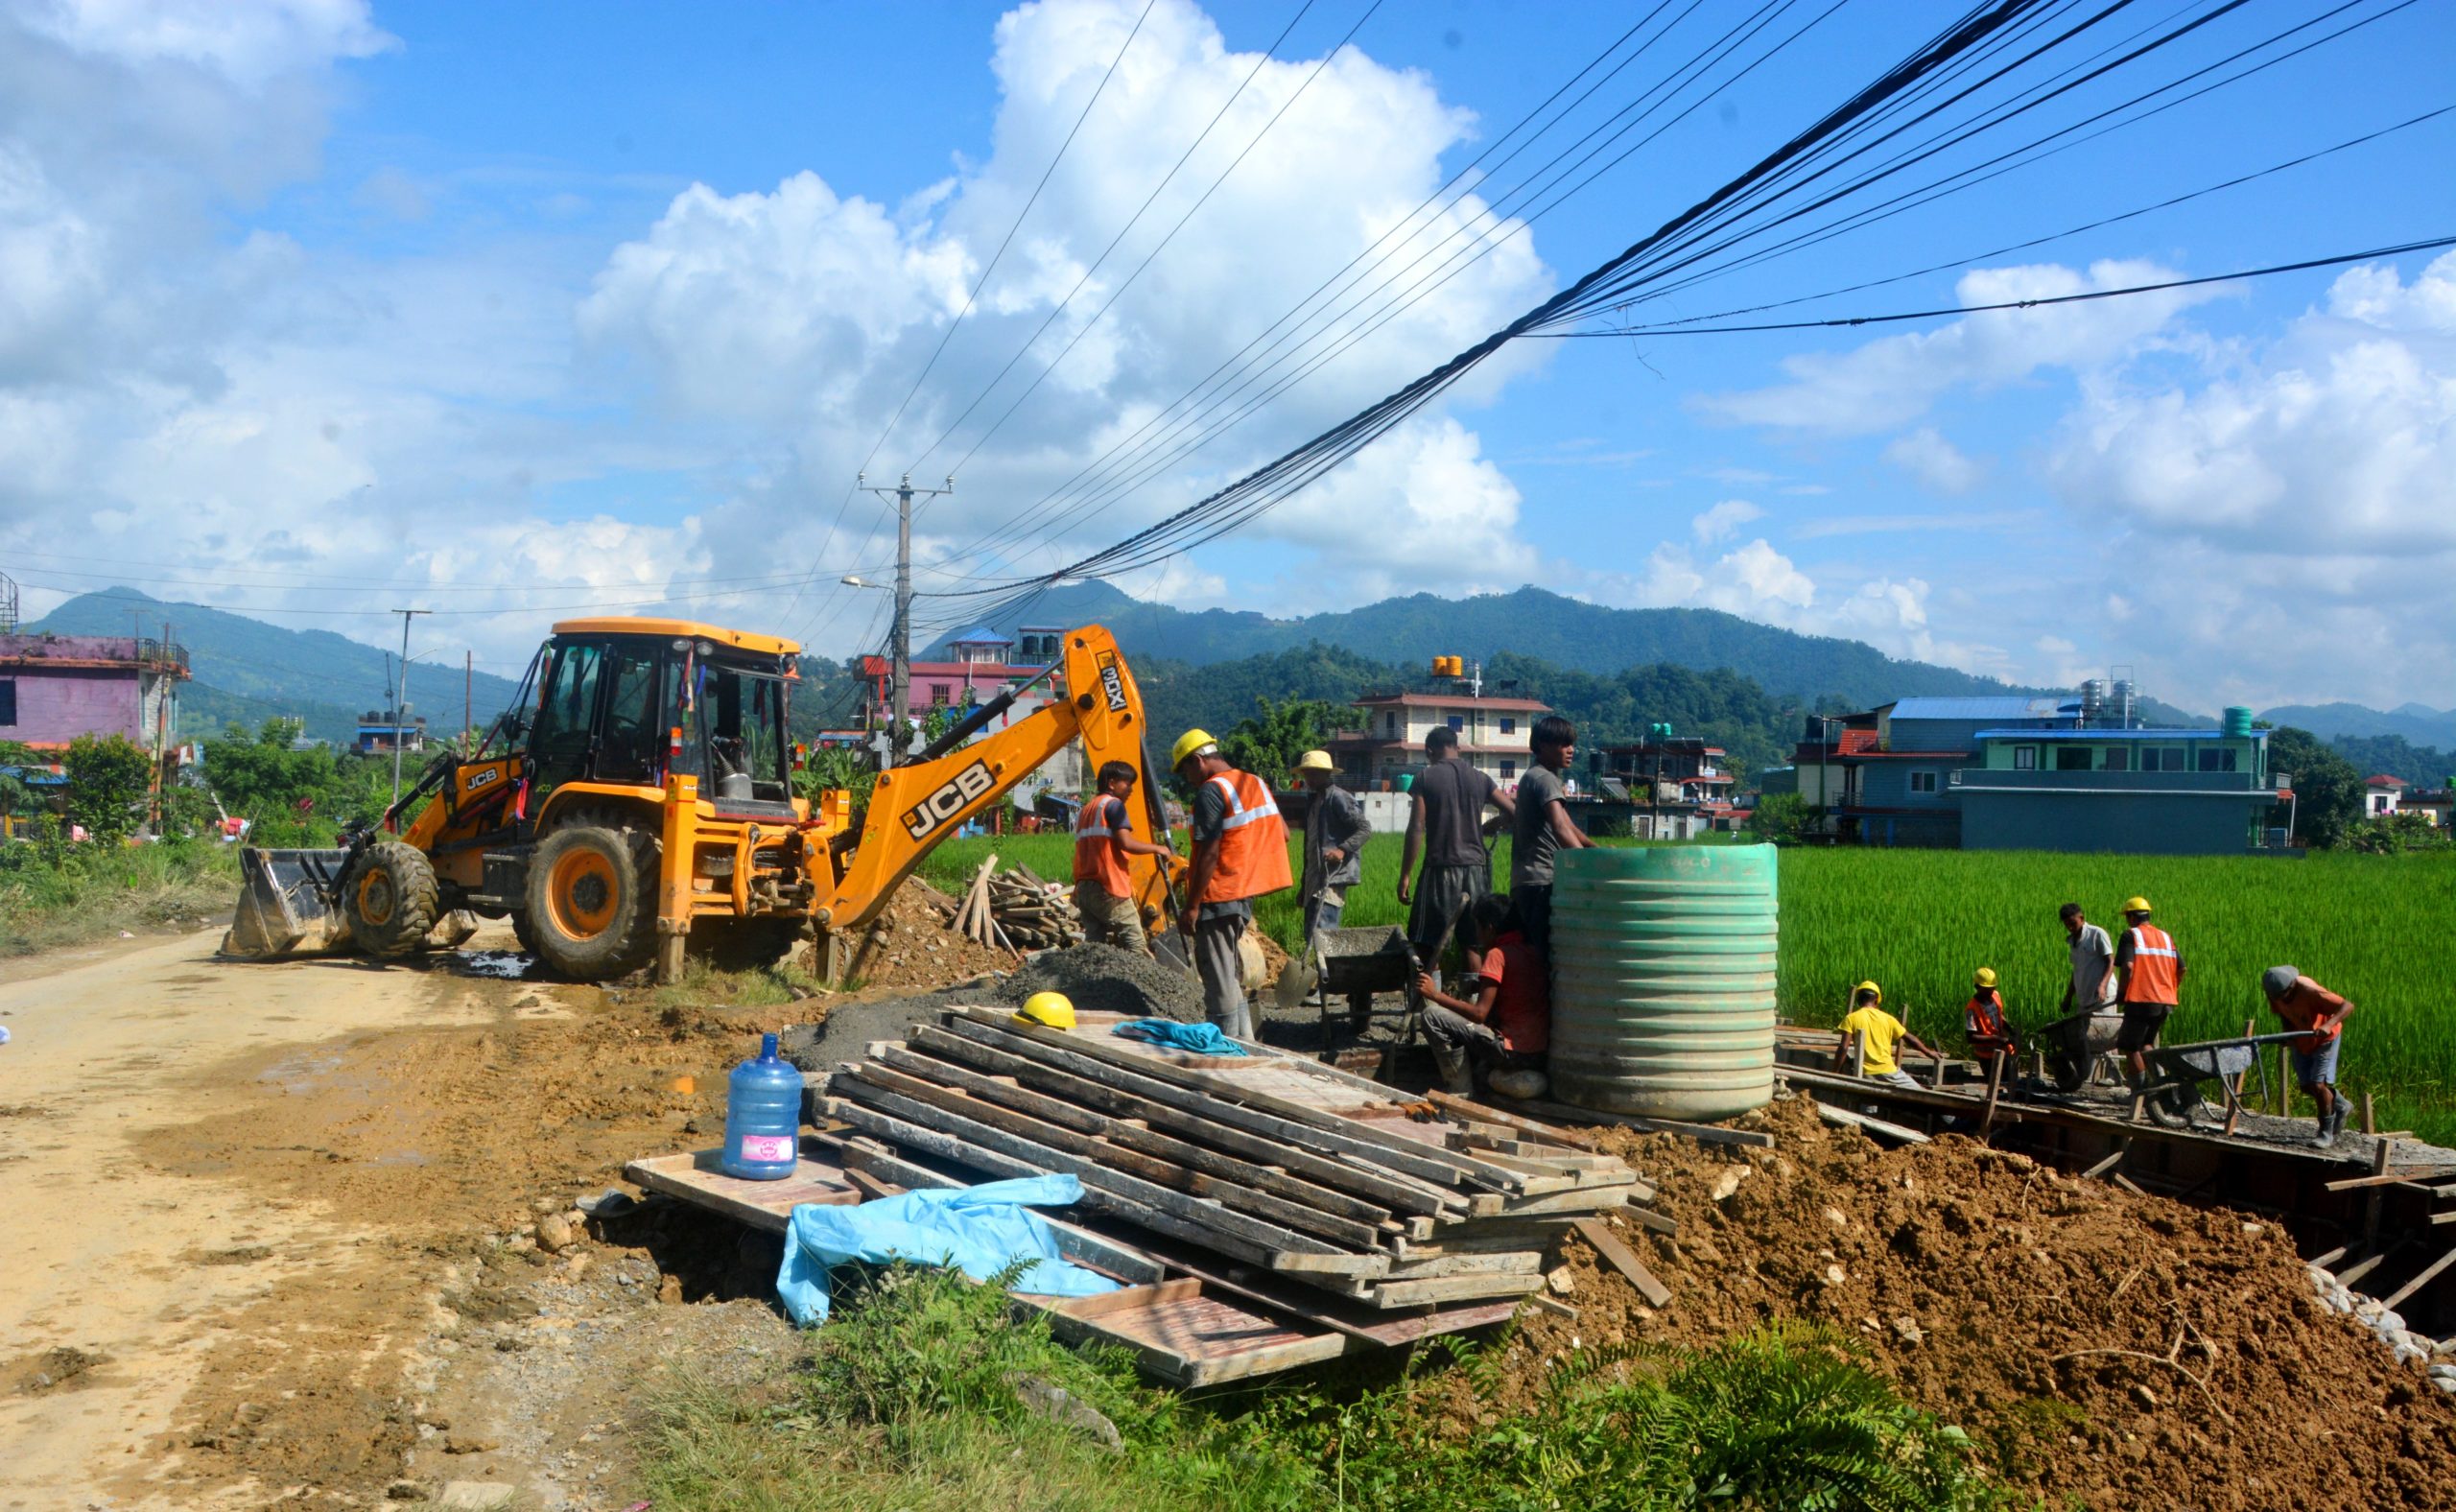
[(1202, 1039), (983, 1230)]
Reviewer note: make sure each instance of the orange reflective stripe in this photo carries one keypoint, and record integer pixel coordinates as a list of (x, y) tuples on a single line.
[(1251, 857)]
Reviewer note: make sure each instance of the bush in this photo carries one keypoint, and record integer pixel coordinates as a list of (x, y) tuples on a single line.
[(108, 776), (1779, 819)]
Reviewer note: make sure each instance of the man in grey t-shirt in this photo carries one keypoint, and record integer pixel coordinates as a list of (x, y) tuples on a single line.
[(1446, 830), (2091, 989), (1543, 827)]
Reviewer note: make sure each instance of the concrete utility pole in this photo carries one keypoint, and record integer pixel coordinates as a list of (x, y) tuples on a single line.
[(401, 711), (900, 675)]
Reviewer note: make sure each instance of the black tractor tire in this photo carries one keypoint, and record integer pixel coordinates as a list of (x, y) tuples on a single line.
[(525, 933), (2174, 1107), (391, 899), (592, 902), (744, 944)]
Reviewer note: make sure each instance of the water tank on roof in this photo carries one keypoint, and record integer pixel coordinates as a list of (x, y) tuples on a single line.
[(1663, 980), (2237, 724), (2093, 702), (2122, 703)]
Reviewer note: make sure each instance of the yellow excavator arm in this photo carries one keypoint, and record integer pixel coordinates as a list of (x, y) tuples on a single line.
[(914, 807)]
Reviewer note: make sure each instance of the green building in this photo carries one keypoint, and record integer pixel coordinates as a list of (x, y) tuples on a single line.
[(2142, 791)]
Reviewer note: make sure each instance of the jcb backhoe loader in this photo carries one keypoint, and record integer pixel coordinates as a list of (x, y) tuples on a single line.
[(637, 801)]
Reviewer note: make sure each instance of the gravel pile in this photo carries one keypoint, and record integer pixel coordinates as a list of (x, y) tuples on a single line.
[(1102, 979)]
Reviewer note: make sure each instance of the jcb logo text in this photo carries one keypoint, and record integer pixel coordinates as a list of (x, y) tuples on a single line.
[(924, 817)]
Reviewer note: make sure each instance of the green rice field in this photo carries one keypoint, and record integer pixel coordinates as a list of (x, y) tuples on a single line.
[(2381, 929)]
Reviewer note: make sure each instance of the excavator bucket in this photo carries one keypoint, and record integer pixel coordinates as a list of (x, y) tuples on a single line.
[(289, 905)]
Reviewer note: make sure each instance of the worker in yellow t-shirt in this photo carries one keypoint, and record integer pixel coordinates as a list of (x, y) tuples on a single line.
[(1879, 1033)]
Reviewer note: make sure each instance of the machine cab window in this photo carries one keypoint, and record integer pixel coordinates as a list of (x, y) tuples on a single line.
[(732, 719)]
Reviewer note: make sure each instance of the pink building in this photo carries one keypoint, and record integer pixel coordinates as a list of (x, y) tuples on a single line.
[(53, 688)]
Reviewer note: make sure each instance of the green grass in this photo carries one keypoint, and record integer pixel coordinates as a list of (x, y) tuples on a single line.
[(1920, 922), (907, 1399), (89, 892)]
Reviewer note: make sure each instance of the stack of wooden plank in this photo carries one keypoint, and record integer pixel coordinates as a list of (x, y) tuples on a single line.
[(1016, 911), (1273, 1161)]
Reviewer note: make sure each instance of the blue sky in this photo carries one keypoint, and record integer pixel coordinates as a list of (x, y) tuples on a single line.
[(507, 310)]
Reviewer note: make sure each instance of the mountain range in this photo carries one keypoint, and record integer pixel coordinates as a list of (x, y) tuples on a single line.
[(2417, 724), (246, 672)]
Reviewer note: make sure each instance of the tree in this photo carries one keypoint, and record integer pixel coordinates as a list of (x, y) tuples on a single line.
[(1779, 818), (1268, 743), (107, 779), (2328, 789)]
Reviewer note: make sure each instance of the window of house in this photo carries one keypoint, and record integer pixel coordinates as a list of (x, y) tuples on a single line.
[(1508, 725), (1390, 722), (937, 695), (2118, 759), (1509, 771), (2221, 759), (2071, 758), (2172, 759), (8, 701), (1923, 782), (2025, 758)]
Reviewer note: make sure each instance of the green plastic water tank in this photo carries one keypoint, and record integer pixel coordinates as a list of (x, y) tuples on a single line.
[(2237, 724), (1663, 980)]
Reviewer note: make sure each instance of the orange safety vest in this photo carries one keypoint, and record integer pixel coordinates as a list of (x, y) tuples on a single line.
[(1096, 858), (1984, 1019), (2155, 974), (1252, 857)]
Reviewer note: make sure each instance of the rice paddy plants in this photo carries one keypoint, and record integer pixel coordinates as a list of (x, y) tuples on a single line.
[(2381, 929)]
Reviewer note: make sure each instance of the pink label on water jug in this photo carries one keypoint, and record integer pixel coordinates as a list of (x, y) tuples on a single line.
[(763, 1147)]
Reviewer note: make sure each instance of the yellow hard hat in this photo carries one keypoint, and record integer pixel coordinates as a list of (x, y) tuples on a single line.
[(1315, 761), (1867, 987), (2136, 905), (1190, 741), (1052, 1009), (1987, 976)]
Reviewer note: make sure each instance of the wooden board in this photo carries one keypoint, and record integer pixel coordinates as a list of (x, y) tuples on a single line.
[(1183, 1333), (697, 1179)]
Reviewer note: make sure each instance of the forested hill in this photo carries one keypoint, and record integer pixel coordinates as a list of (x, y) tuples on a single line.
[(1564, 633), (1757, 728)]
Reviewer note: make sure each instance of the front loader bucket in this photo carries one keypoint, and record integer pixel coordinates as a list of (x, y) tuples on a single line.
[(289, 905)]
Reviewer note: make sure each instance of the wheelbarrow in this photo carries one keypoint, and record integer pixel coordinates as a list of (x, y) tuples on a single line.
[(2074, 1043), (2172, 1095), (1354, 964)]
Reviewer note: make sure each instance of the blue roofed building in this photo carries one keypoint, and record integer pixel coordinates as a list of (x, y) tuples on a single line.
[(2045, 772)]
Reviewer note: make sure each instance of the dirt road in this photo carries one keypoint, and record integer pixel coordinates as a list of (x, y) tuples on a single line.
[(260, 1215)]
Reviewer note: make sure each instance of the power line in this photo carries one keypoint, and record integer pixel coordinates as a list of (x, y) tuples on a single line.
[(2338, 260)]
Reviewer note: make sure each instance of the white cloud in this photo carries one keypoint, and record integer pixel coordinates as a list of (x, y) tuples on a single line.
[(1937, 464), (1893, 380), (1723, 520), (1419, 506), (246, 43)]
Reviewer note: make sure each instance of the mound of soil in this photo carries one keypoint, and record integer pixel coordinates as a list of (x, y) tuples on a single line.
[(1102, 979), (909, 945), (2117, 1350)]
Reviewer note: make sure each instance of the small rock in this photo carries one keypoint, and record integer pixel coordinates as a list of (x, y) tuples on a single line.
[(2144, 1395), (1562, 1282), (519, 1244), (1043, 1398), (1836, 1218), (1834, 1275), (469, 1444), (1908, 1330), (607, 1204), (670, 1289), (2255, 1230), (1729, 1182), (555, 1233), (405, 1491), (476, 1496), (577, 1267), (545, 1205)]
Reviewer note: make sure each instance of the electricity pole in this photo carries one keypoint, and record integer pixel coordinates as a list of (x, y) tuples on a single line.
[(900, 673), (402, 711)]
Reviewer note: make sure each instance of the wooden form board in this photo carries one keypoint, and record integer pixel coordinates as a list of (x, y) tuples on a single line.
[(1198, 1327)]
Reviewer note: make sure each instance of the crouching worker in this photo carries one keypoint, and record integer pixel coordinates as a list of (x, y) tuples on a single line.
[(1879, 1033), (1989, 1033), (1103, 839), (1505, 1031), (2304, 1005)]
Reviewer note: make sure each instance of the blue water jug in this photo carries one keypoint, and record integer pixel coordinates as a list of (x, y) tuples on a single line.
[(763, 1117)]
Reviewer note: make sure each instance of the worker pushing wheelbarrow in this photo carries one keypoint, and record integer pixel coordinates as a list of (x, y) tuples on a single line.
[(2072, 1045)]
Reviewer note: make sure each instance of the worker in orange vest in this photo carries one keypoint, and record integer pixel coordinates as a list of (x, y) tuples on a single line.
[(1240, 854), (2149, 977), (1105, 839), (1989, 1033)]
